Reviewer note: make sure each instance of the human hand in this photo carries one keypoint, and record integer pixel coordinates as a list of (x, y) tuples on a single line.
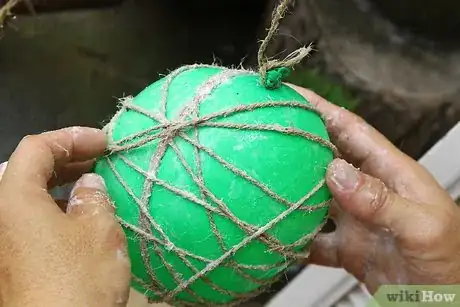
[(53, 258), (395, 224)]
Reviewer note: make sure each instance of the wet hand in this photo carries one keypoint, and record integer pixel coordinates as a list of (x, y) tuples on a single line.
[(395, 224)]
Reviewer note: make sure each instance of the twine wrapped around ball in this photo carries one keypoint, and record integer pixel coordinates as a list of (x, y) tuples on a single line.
[(204, 170)]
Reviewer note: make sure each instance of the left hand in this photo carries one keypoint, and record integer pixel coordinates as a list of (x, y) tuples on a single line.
[(49, 257)]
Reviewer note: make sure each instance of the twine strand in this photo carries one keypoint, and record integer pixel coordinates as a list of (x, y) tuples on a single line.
[(5, 11), (272, 71)]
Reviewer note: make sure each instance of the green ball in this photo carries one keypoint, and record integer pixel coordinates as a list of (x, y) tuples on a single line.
[(220, 215)]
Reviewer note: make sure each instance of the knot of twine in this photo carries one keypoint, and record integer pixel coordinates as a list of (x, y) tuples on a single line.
[(150, 233), (272, 71)]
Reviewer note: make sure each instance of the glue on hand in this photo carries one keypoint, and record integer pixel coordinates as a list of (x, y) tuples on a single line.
[(395, 224), (382, 262), (3, 168)]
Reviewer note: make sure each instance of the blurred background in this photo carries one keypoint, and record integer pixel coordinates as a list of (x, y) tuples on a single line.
[(394, 62)]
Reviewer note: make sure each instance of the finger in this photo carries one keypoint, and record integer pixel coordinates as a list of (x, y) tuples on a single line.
[(89, 197), (113, 243), (66, 174), (37, 157), (368, 149), (368, 199), (325, 250), (70, 173), (356, 139), (122, 284)]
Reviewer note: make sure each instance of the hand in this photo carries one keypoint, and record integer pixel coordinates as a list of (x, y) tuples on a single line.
[(53, 258), (395, 224)]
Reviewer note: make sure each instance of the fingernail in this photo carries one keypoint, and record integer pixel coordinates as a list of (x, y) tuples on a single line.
[(92, 181), (83, 132), (344, 175), (3, 168), (73, 202)]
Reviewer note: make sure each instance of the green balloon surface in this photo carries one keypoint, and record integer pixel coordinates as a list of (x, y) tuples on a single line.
[(290, 166)]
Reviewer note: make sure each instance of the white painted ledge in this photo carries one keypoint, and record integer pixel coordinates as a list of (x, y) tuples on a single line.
[(316, 286), (443, 161)]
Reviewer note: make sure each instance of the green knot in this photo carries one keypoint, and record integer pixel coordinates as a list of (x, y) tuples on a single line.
[(276, 76)]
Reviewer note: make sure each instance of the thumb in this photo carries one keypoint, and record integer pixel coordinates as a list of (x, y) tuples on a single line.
[(368, 199), (89, 196)]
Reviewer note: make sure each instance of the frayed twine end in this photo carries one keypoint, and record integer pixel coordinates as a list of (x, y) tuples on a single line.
[(274, 72), (5, 11)]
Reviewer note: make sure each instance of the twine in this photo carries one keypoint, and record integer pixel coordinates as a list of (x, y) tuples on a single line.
[(5, 10), (165, 134), (272, 71)]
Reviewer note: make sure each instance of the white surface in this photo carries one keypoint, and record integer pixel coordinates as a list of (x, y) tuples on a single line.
[(316, 286), (325, 287), (358, 296), (443, 161)]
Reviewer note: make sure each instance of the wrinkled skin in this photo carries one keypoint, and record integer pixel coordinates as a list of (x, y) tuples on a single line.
[(395, 224), (50, 257)]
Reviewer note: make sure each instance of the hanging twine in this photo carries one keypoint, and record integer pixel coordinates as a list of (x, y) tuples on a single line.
[(272, 71), (150, 233), (5, 10)]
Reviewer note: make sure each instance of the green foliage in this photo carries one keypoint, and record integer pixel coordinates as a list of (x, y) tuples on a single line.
[(325, 87)]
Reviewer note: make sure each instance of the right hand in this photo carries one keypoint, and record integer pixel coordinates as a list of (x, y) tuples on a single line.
[(395, 224)]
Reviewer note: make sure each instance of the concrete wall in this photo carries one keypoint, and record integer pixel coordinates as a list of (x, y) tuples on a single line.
[(65, 69)]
